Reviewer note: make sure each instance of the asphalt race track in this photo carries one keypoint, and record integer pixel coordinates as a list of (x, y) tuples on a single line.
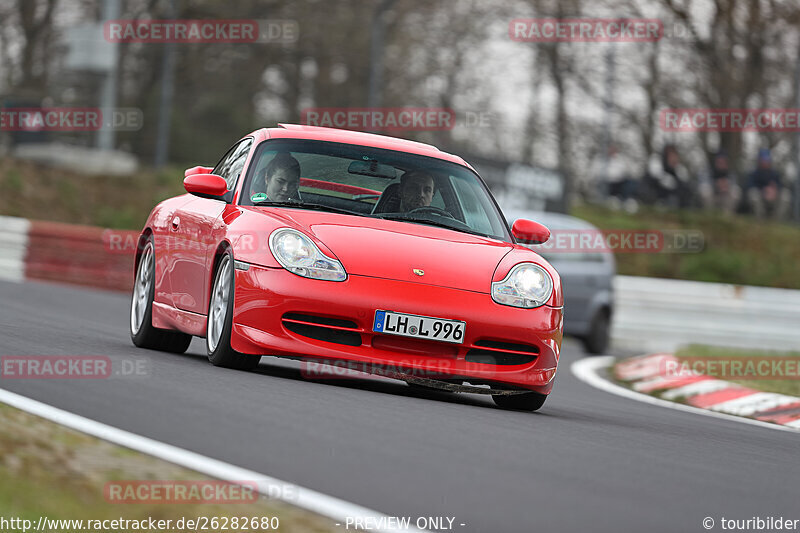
[(590, 461)]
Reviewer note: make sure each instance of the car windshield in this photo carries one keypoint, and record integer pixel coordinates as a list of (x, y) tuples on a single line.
[(371, 182)]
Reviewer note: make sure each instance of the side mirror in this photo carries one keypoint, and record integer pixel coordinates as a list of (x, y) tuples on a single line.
[(205, 185), (197, 170), (530, 232)]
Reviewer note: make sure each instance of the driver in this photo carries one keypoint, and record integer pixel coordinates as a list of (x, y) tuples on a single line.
[(416, 190), (282, 178)]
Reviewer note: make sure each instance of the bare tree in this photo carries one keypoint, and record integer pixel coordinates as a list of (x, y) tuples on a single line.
[(36, 18)]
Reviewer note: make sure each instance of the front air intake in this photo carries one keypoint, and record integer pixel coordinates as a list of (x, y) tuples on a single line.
[(321, 328), (490, 352)]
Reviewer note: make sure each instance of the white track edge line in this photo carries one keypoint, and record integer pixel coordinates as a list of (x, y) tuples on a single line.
[(586, 370), (308, 499)]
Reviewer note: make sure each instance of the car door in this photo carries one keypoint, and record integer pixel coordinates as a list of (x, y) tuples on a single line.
[(195, 231)]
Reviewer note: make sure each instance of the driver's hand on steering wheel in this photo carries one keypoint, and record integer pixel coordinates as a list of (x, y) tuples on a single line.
[(433, 210)]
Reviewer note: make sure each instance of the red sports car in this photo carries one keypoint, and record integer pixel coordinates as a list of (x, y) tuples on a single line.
[(361, 251)]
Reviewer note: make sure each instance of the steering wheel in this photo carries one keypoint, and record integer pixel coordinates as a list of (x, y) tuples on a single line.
[(432, 210)]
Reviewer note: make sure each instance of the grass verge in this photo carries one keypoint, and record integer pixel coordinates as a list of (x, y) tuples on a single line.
[(40, 192), (739, 250), (53, 471)]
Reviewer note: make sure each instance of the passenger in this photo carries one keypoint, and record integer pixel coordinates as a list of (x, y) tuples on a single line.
[(416, 190)]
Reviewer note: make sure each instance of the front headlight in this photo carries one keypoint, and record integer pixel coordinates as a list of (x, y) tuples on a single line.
[(527, 285), (299, 255)]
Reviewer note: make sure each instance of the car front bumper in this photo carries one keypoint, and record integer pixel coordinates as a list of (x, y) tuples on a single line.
[(279, 313)]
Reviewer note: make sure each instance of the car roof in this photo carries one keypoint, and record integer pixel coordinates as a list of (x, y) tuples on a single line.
[(319, 133)]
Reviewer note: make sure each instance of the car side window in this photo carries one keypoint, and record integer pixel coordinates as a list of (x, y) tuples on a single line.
[(474, 213), (230, 167)]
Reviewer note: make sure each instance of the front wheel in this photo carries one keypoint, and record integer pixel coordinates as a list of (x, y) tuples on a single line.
[(143, 334), (528, 401), (220, 321)]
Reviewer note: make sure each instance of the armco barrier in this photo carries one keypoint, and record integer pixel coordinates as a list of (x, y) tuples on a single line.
[(661, 314), (650, 314), (13, 247), (66, 253)]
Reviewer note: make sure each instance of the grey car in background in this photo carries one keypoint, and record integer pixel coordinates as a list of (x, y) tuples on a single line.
[(587, 277)]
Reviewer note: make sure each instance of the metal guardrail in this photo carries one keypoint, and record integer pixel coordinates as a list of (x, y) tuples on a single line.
[(654, 314), (66, 253), (13, 247)]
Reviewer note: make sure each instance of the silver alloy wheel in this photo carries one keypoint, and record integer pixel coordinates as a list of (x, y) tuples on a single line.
[(141, 289), (218, 310)]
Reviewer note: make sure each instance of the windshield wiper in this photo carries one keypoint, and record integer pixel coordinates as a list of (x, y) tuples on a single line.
[(405, 218), (305, 205)]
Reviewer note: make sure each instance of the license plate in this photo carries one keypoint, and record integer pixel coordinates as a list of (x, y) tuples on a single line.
[(419, 327)]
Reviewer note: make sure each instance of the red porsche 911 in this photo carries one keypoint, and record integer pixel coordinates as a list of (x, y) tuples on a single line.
[(345, 248)]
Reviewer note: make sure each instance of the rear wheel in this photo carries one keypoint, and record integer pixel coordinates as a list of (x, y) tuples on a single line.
[(143, 334), (220, 321), (528, 401)]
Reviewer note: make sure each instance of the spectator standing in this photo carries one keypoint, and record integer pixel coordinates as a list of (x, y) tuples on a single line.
[(668, 180), (766, 195), (720, 189)]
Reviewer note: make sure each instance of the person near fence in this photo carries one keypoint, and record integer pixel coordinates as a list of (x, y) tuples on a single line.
[(719, 189), (766, 195), (668, 181)]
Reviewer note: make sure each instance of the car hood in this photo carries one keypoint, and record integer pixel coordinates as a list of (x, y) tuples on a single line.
[(394, 250)]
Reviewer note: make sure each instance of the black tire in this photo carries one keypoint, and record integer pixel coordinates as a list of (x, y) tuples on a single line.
[(596, 341), (218, 347), (529, 401), (143, 334)]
